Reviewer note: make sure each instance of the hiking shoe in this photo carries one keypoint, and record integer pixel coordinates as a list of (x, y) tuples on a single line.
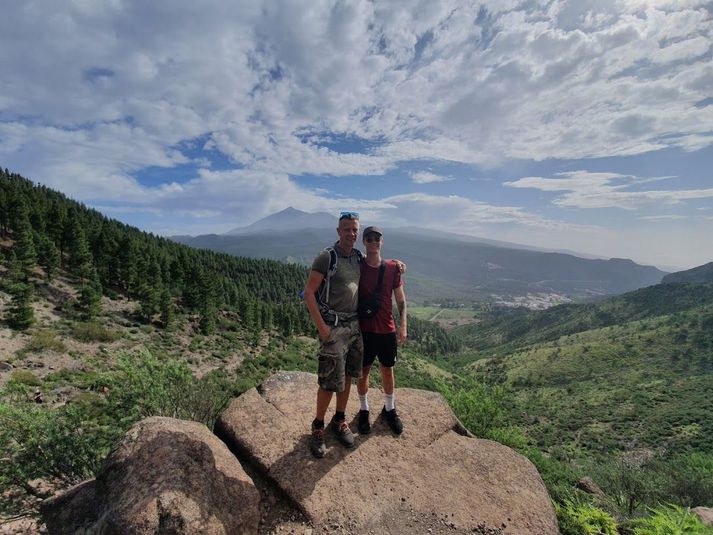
[(364, 425), (316, 442), (395, 423), (344, 434)]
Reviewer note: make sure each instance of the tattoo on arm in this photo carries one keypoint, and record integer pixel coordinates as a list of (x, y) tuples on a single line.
[(402, 309)]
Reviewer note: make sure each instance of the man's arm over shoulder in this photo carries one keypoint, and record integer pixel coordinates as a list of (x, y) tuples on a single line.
[(400, 266)]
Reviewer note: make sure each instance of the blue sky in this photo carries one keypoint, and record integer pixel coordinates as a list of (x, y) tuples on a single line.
[(585, 125)]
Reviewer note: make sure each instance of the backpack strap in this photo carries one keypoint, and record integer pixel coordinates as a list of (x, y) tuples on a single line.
[(323, 292), (382, 268)]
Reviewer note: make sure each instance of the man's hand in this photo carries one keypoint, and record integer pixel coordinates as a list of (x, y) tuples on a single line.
[(400, 266), (324, 331), (401, 335)]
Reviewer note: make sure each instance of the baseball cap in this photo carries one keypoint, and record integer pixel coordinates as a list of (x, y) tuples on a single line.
[(372, 230)]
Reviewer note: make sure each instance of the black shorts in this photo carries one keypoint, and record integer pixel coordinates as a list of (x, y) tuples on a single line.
[(379, 345)]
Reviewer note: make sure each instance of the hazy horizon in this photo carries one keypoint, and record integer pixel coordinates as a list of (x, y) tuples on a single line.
[(583, 126)]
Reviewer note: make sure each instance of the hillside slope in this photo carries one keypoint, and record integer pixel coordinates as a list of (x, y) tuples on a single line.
[(635, 371), (702, 273)]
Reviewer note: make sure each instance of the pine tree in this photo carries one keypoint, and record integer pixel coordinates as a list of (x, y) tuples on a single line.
[(24, 244), (208, 316), (48, 256), (80, 257), (167, 308), (21, 315), (149, 301), (90, 294), (4, 212)]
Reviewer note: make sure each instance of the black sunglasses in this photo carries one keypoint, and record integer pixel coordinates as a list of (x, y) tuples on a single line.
[(372, 238)]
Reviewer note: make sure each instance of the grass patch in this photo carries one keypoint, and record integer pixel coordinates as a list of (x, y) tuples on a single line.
[(94, 332), (42, 340), (24, 377)]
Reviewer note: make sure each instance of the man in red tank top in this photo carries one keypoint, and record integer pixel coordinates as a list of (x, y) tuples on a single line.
[(379, 332)]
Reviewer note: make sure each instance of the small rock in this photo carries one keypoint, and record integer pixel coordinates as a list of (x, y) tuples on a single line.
[(705, 514)]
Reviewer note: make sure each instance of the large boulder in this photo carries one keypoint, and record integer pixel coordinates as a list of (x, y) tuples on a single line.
[(387, 484), (167, 476)]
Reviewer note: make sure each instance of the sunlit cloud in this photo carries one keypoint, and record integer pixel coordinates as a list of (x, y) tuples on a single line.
[(606, 190)]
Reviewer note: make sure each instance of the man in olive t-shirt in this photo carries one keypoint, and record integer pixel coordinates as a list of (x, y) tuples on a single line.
[(341, 348)]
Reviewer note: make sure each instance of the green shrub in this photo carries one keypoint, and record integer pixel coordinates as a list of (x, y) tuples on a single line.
[(690, 479), (94, 332), (44, 340), (632, 485), (67, 445), (480, 408), (559, 477), (59, 445), (24, 377), (511, 436), (146, 386), (581, 518), (670, 520)]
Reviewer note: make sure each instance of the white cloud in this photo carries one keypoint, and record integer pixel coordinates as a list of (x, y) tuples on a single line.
[(664, 218), (424, 177), (460, 214), (606, 190), (562, 80)]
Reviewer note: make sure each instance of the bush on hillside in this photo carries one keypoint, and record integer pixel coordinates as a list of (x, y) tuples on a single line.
[(670, 520), (43, 340), (60, 446), (582, 518), (67, 444), (479, 407), (94, 332), (146, 386), (632, 484), (690, 479), (24, 377)]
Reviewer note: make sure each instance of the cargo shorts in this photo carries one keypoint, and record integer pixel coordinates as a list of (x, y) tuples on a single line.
[(340, 355)]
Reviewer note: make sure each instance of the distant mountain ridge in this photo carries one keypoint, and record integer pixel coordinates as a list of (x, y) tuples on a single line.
[(702, 273), (292, 218), (441, 266)]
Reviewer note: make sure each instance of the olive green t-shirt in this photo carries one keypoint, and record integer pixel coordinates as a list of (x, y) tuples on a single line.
[(344, 284)]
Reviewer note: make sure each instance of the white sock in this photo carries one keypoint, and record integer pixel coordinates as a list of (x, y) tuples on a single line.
[(389, 402), (364, 402)]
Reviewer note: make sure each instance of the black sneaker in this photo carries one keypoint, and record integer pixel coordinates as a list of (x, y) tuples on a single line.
[(364, 425), (344, 434), (395, 423), (316, 442)]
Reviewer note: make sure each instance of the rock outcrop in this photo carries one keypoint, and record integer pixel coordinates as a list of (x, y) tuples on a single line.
[(166, 476), (387, 484), (705, 514), (587, 484)]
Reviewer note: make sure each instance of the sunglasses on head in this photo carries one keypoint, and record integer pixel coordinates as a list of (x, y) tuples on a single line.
[(348, 215), (372, 238)]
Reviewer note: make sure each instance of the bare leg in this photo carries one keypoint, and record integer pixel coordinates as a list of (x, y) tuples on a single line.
[(324, 398), (343, 396), (387, 379), (363, 383)]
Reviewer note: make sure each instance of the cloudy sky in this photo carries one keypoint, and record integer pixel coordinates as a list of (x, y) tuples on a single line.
[(583, 124)]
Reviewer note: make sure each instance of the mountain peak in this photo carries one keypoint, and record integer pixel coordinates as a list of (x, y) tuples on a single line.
[(290, 211), (290, 218)]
